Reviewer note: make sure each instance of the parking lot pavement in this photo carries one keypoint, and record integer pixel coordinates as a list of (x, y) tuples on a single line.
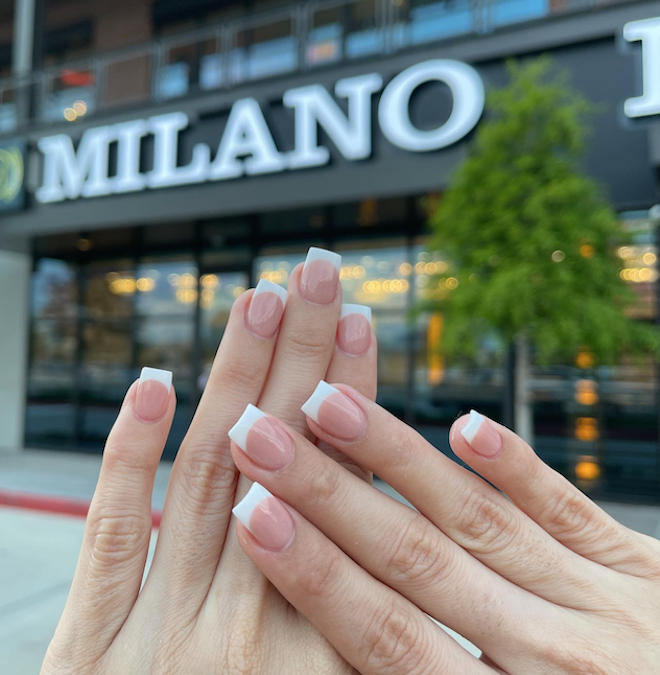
[(38, 550)]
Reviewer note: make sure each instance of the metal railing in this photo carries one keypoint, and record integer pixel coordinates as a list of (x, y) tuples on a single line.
[(303, 37)]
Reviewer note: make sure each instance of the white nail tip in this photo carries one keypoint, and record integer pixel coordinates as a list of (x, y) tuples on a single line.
[(347, 309), (469, 431), (322, 254), (313, 403), (245, 508), (162, 376), (239, 432), (265, 286)]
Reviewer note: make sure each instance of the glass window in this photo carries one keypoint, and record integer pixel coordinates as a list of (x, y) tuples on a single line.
[(437, 20), (167, 344), (513, 11), (109, 289), (53, 349), (54, 289), (166, 287), (324, 41), (106, 360), (219, 291), (378, 277)]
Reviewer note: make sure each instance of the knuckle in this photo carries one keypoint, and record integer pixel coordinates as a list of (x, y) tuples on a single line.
[(322, 487), (309, 344), (568, 514), (237, 375), (208, 479), (118, 538), (122, 456), (575, 659), (392, 642), (483, 525), (317, 577), (419, 556)]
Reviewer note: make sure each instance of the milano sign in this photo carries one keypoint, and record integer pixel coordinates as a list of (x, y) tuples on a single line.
[(247, 146)]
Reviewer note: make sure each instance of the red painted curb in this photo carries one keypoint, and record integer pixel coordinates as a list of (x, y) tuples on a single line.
[(54, 504)]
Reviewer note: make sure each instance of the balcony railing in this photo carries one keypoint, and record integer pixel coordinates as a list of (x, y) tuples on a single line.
[(304, 37)]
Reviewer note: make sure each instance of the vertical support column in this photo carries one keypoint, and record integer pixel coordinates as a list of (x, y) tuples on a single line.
[(23, 44), (15, 269)]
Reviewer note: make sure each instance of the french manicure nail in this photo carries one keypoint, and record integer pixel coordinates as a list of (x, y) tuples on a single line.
[(335, 412), (354, 329), (320, 276), (266, 518), (262, 439), (266, 309), (153, 394), (481, 435)]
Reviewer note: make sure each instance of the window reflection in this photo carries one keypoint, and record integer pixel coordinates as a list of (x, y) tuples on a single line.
[(109, 289), (219, 291), (54, 289), (165, 288)]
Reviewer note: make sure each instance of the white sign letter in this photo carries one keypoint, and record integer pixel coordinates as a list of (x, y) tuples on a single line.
[(165, 173), (469, 98), (68, 173), (246, 133), (648, 31), (315, 107), (129, 135)]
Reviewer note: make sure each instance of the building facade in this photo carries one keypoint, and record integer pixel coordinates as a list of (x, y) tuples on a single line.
[(157, 158)]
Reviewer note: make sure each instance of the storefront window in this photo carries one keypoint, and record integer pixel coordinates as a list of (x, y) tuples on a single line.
[(109, 289), (54, 290), (219, 291), (165, 288)]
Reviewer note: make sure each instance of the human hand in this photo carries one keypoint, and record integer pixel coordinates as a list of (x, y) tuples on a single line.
[(546, 583), (204, 607)]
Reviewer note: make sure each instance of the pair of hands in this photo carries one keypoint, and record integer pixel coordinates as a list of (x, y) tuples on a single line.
[(543, 583)]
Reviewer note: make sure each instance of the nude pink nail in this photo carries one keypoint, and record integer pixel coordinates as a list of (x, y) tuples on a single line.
[(354, 329), (320, 276), (335, 412), (153, 394), (266, 309), (263, 439), (266, 518), (481, 435)]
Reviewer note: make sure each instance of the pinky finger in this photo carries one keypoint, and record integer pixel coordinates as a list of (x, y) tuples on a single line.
[(375, 629)]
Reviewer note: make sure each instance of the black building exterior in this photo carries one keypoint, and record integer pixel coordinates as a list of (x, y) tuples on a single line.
[(143, 189)]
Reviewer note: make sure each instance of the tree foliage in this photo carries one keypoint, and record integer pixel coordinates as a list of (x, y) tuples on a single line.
[(531, 238)]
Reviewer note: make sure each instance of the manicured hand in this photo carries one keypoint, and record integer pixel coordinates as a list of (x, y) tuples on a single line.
[(543, 582), (204, 608)]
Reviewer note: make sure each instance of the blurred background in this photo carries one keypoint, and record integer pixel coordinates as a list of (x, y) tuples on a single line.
[(97, 284)]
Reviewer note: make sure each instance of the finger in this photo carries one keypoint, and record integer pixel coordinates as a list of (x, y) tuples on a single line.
[(466, 508), (306, 341), (544, 495), (118, 528), (203, 480), (303, 352), (376, 630), (394, 543), (354, 362)]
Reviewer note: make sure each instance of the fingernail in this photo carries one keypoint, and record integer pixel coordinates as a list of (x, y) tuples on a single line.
[(354, 329), (335, 412), (266, 309), (481, 435), (153, 394), (262, 439), (320, 276), (266, 518)]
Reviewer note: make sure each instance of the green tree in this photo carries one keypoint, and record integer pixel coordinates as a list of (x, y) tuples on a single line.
[(531, 238)]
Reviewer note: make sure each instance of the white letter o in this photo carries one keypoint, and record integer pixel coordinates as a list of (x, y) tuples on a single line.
[(467, 90)]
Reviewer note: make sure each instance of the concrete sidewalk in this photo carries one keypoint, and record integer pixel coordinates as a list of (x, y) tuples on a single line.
[(74, 475)]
